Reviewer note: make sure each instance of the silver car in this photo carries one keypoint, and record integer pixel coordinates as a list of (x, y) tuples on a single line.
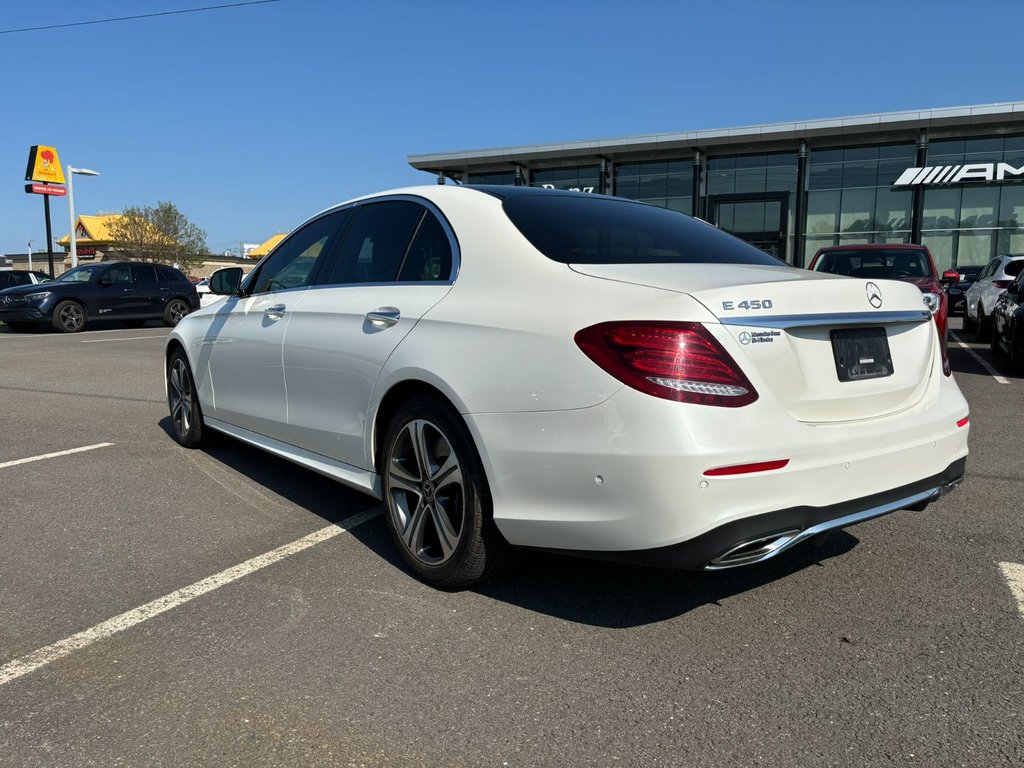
[(982, 296)]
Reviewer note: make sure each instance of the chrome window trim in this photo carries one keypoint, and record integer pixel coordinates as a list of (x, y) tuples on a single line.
[(839, 318)]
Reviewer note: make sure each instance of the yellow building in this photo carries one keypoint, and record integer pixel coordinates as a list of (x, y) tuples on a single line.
[(92, 235), (267, 246)]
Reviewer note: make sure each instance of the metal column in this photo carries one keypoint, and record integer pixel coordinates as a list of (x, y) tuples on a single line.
[(696, 205), (800, 206), (917, 218)]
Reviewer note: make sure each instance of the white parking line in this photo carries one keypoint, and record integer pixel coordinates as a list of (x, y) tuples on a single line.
[(29, 460), (988, 368), (127, 338), (12, 670), (1014, 574)]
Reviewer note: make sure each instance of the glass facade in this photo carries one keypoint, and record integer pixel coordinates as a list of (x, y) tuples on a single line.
[(508, 177), (668, 183), (973, 222), (850, 197), (752, 197)]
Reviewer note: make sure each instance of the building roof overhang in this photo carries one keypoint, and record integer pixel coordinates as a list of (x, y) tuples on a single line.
[(842, 131)]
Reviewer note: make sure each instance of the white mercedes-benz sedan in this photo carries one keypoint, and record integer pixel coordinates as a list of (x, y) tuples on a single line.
[(574, 373)]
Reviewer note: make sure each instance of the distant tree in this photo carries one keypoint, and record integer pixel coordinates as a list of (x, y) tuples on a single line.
[(163, 234)]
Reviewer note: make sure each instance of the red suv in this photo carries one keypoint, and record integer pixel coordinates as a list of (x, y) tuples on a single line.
[(910, 263)]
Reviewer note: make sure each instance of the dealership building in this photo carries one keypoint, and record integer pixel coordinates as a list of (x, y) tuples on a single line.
[(952, 179)]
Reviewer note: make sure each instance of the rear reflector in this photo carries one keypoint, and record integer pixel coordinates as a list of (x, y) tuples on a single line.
[(964, 421), (675, 361), (744, 469)]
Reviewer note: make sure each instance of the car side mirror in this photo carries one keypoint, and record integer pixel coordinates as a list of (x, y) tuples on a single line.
[(225, 282), (950, 276)]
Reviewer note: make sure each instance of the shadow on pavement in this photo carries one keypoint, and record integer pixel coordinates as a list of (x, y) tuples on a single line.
[(573, 589)]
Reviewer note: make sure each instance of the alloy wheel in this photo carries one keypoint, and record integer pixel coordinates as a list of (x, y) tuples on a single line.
[(425, 492), (176, 311), (72, 318), (181, 397)]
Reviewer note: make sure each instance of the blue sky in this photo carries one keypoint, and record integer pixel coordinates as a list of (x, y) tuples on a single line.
[(251, 119)]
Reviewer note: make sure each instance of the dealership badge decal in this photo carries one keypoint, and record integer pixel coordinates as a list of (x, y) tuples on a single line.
[(744, 338), (874, 294)]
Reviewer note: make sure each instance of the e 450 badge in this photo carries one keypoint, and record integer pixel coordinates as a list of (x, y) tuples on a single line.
[(728, 306)]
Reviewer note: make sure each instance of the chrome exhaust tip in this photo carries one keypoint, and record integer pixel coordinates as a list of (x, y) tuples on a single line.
[(753, 550)]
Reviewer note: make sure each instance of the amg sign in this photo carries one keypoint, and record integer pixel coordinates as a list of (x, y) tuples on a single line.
[(954, 174)]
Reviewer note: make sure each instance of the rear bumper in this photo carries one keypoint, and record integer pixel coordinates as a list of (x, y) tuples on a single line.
[(627, 478), (756, 539)]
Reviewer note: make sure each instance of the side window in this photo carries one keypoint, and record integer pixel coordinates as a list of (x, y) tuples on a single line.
[(376, 242), (430, 255), (20, 280), (144, 273), (119, 275), (291, 265), (168, 274), (990, 269)]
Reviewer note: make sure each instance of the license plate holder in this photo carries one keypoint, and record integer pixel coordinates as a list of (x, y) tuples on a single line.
[(861, 353)]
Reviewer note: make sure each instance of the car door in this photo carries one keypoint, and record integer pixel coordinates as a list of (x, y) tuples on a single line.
[(397, 261), (115, 294), (147, 290), (975, 291), (243, 378)]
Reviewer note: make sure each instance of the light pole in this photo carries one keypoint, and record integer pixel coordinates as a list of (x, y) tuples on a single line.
[(71, 207), (30, 255)]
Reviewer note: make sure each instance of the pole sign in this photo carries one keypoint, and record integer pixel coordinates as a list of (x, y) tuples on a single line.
[(44, 165), (46, 189), (936, 175)]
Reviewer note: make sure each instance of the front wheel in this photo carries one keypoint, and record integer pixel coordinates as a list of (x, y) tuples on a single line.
[(175, 310), (69, 317), (183, 402), (969, 324), (438, 504)]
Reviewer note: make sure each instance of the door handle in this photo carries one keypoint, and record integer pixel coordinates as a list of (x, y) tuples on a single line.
[(383, 317), (276, 311)]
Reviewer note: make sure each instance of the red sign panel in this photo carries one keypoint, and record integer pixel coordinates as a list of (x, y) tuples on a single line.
[(46, 189)]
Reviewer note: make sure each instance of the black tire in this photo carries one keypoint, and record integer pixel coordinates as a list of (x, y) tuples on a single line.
[(436, 498), (20, 327), (175, 310), (984, 330), (69, 317), (969, 324), (993, 344), (133, 323), (182, 401), (1016, 348)]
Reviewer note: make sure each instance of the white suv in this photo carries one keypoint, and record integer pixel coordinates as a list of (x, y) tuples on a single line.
[(982, 296)]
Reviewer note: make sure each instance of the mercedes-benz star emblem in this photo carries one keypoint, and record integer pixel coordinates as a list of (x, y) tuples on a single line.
[(874, 295), (744, 338)]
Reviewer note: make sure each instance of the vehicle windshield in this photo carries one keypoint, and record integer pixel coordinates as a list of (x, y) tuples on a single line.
[(81, 274), (888, 264), (600, 230)]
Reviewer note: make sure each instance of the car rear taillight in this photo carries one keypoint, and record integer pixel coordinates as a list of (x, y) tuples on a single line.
[(1002, 283), (675, 361)]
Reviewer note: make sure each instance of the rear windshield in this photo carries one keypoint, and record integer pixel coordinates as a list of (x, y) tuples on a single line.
[(599, 230), (875, 264), (1014, 267)]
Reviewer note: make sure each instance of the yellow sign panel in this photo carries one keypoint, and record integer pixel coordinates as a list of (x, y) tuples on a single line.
[(44, 165)]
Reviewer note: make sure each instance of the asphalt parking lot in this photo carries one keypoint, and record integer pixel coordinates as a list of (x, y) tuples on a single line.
[(897, 642)]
